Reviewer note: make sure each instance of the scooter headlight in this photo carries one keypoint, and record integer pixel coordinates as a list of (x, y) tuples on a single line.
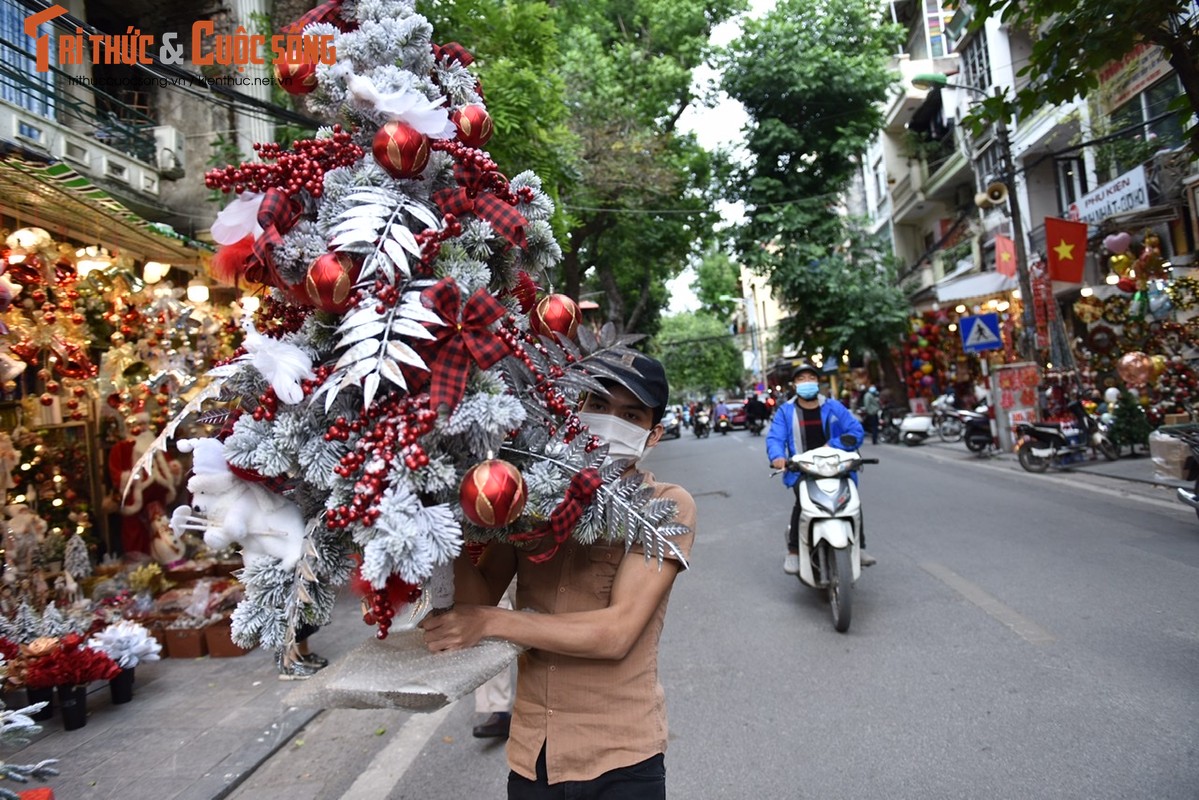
[(824, 466)]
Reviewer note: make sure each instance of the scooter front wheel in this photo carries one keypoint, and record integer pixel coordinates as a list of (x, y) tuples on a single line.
[(1029, 460), (1108, 449), (839, 572), (950, 429)]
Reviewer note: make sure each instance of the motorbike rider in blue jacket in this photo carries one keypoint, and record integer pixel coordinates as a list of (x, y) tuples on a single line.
[(796, 429)]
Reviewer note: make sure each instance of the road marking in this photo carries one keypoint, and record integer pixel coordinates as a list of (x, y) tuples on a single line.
[(1024, 627), (388, 766)]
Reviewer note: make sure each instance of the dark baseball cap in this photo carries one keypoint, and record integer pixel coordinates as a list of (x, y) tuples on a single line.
[(804, 366), (643, 376)]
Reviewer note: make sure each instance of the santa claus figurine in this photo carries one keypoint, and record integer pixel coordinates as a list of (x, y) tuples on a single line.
[(146, 494)]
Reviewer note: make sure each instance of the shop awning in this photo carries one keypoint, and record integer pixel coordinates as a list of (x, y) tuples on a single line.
[(53, 196), (979, 285)]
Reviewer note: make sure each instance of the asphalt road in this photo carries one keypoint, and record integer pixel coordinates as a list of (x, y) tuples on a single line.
[(1021, 637)]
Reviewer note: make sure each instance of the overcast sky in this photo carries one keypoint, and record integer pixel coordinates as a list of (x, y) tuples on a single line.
[(716, 127)]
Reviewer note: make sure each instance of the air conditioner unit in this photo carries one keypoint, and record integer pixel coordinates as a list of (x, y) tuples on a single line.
[(168, 151)]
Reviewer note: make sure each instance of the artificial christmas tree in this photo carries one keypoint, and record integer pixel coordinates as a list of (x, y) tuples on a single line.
[(348, 422)]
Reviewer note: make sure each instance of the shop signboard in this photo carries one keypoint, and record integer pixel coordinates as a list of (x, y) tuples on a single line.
[(1014, 393), (1129, 192), (1125, 78)]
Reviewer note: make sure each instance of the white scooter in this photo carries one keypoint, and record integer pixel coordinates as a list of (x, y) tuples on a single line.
[(915, 428), (830, 523)]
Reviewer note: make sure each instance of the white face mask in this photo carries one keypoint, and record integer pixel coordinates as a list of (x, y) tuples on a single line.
[(624, 439)]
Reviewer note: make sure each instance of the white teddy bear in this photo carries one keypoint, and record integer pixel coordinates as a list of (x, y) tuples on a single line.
[(234, 510)]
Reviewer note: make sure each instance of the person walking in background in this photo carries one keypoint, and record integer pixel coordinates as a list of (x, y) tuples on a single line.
[(870, 409)]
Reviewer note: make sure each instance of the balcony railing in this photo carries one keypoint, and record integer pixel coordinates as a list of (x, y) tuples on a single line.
[(73, 102)]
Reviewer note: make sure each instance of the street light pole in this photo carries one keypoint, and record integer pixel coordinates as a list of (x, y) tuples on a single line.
[(1027, 348)]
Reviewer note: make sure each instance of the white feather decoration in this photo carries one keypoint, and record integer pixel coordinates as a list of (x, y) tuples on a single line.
[(283, 365), (238, 220)]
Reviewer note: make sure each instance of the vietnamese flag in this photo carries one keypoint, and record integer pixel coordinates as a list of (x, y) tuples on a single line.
[(1066, 243), (1005, 256)]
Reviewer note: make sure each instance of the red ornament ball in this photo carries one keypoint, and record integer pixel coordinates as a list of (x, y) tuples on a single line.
[(401, 150), (556, 314), (493, 494), (295, 78), (473, 124), (329, 284)]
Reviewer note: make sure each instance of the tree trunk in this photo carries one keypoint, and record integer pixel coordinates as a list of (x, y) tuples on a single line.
[(572, 270), (890, 376)]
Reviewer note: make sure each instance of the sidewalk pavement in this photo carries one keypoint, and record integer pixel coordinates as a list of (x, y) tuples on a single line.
[(194, 730), (198, 728)]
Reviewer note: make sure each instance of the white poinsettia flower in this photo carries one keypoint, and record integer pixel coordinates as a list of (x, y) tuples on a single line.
[(238, 220), (429, 117), (283, 365)]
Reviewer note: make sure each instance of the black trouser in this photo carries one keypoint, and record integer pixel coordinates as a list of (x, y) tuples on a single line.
[(643, 781), (870, 423), (793, 530)]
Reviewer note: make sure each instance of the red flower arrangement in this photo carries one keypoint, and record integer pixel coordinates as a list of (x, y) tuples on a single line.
[(66, 662)]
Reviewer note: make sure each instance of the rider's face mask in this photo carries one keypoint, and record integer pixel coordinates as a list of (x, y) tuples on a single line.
[(624, 439), (807, 389)]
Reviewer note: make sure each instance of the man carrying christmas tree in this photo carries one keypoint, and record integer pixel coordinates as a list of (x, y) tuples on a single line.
[(590, 714)]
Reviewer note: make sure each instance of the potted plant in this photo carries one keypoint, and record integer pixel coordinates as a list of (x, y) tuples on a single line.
[(70, 666), (128, 644)]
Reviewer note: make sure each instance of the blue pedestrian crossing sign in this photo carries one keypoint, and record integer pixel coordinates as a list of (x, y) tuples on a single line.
[(980, 332)]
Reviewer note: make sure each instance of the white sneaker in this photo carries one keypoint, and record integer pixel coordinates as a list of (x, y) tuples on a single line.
[(791, 564)]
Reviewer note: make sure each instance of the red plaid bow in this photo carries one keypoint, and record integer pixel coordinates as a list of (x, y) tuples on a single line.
[(456, 52), (579, 494), (471, 198), (276, 215), (464, 338), (326, 12)]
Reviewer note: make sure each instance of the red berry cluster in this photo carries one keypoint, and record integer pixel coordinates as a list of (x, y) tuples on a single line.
[(392, 426), (382, 608), (430, 240), (268, 404), (492, 178), (302, 168), (551, 396), (276, 318)]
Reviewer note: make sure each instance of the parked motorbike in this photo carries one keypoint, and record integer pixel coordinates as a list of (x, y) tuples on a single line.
[(888, 423), (700, 425), (946, 421), (1046, 444), (976, 429), (830, 524), (723, 425), (915, 428), (1190, 468)]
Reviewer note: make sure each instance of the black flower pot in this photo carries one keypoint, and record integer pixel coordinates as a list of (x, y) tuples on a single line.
[(72, 701), (121, 687), (41, 696)]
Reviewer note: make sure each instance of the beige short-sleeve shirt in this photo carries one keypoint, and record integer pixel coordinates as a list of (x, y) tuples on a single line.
[(592, 715)]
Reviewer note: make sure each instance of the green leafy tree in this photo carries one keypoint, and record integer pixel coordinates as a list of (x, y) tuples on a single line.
[(518, 60), (717, 283), (813, 78), (644, 204), (699, 354), (1076, 38)]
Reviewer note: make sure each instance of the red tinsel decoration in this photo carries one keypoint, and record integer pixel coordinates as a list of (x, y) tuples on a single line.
[(231, 260)]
